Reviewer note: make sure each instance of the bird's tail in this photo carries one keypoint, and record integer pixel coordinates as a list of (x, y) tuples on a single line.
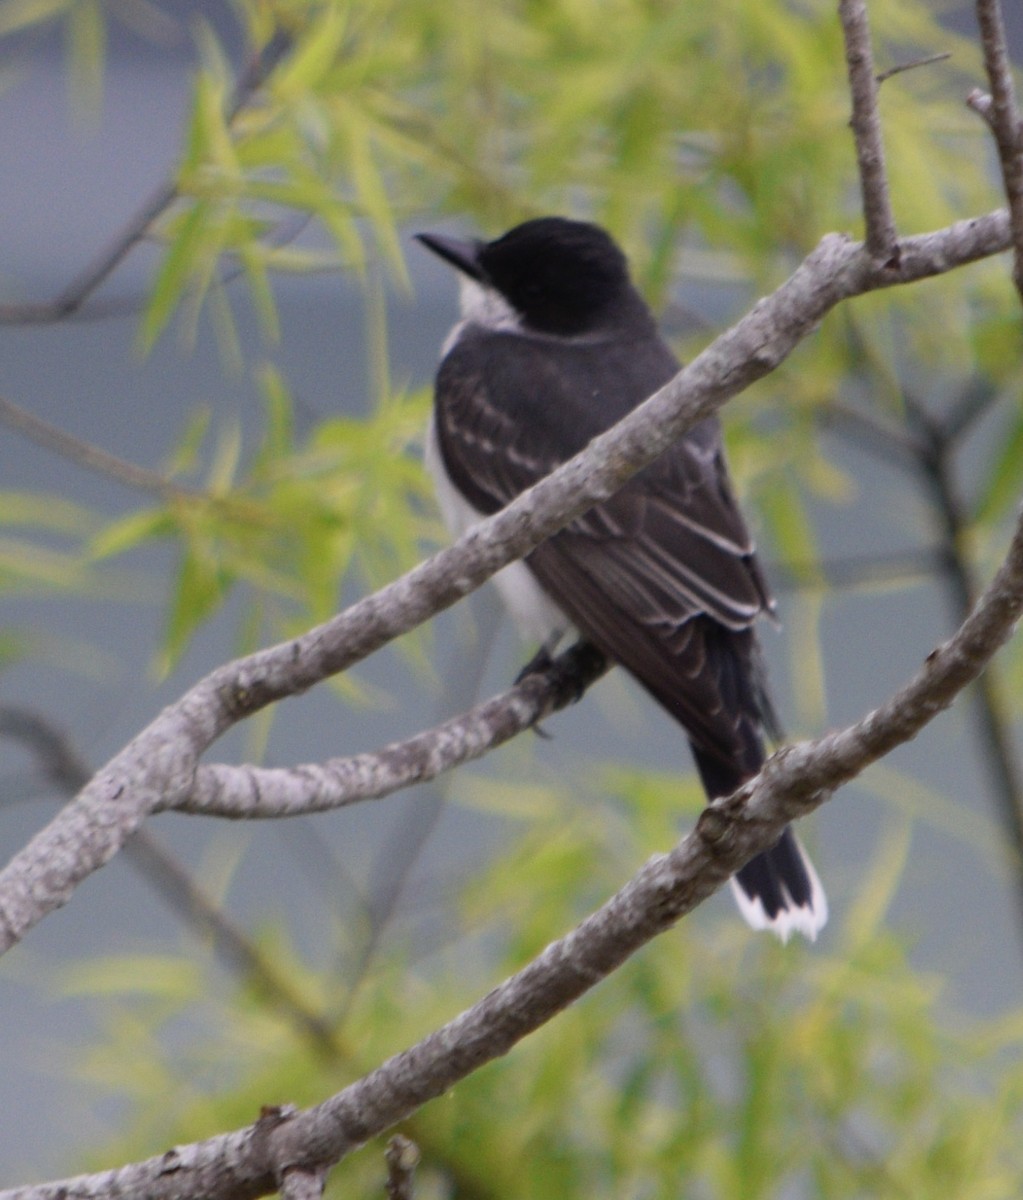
[(778, 890)]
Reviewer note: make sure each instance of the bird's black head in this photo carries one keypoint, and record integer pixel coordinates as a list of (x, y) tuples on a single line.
[(560, 276)]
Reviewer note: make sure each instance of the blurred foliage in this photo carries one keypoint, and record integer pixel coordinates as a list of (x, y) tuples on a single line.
[(711, 138), (714, 1064), (291, 521), (29, 564)]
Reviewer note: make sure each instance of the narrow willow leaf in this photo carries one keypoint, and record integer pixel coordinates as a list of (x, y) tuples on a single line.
[(28, 565), (39, 510), (21, 14), (214, 135), (85, 34), (180, 264), (184, 459), (224, 468), (132, 974), (131, 531), (199, 590), (255, 263), (315, 55)]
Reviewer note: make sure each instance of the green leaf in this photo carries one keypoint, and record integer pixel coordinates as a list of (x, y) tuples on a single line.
[(130, 532), (313, 57), (180, 265), (224, 467), (201, 586), (85, 33), (185, 457), (164, 976), (39, 510), (16, 15), (1002, 480), (279, 435), (25, 565), (254, 260), (213, 137)]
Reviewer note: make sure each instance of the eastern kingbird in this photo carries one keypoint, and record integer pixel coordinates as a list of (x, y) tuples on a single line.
[(555, 345)]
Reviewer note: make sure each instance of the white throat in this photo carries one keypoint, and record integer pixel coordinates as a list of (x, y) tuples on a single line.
[(482, 306)]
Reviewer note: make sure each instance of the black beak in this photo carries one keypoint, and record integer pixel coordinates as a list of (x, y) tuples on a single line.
[(462, 255)]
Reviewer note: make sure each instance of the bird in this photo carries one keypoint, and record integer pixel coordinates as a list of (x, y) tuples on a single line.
[(554, 345)]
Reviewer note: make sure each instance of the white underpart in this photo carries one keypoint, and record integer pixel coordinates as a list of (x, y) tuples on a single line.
[(536, 616), (807, 919)]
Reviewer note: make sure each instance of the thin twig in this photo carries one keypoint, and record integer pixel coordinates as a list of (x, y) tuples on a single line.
[(402, 1157), (928, 61), (58, 761), (976, 400), (881, 236), (872, 431), (74, 295), (89, 456)]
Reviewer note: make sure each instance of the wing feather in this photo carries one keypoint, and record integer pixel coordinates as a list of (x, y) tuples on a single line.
[(656, 575)]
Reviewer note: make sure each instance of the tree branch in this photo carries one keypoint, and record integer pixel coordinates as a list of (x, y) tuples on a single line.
[(1001, 112), (938, 441), (299, 1183), (249, 1162), (882, 239), (157, 769), (87, 455), (402, 1158), (248, 792), (872, 431)]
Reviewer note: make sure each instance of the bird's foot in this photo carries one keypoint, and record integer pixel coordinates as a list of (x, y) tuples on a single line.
[(539, 664)]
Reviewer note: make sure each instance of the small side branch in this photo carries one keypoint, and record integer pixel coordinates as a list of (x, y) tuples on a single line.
[(87, 455), (248, 792), (402, 1158), (301, 1183), (881, 236), (1001, 112), (927, 61)]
